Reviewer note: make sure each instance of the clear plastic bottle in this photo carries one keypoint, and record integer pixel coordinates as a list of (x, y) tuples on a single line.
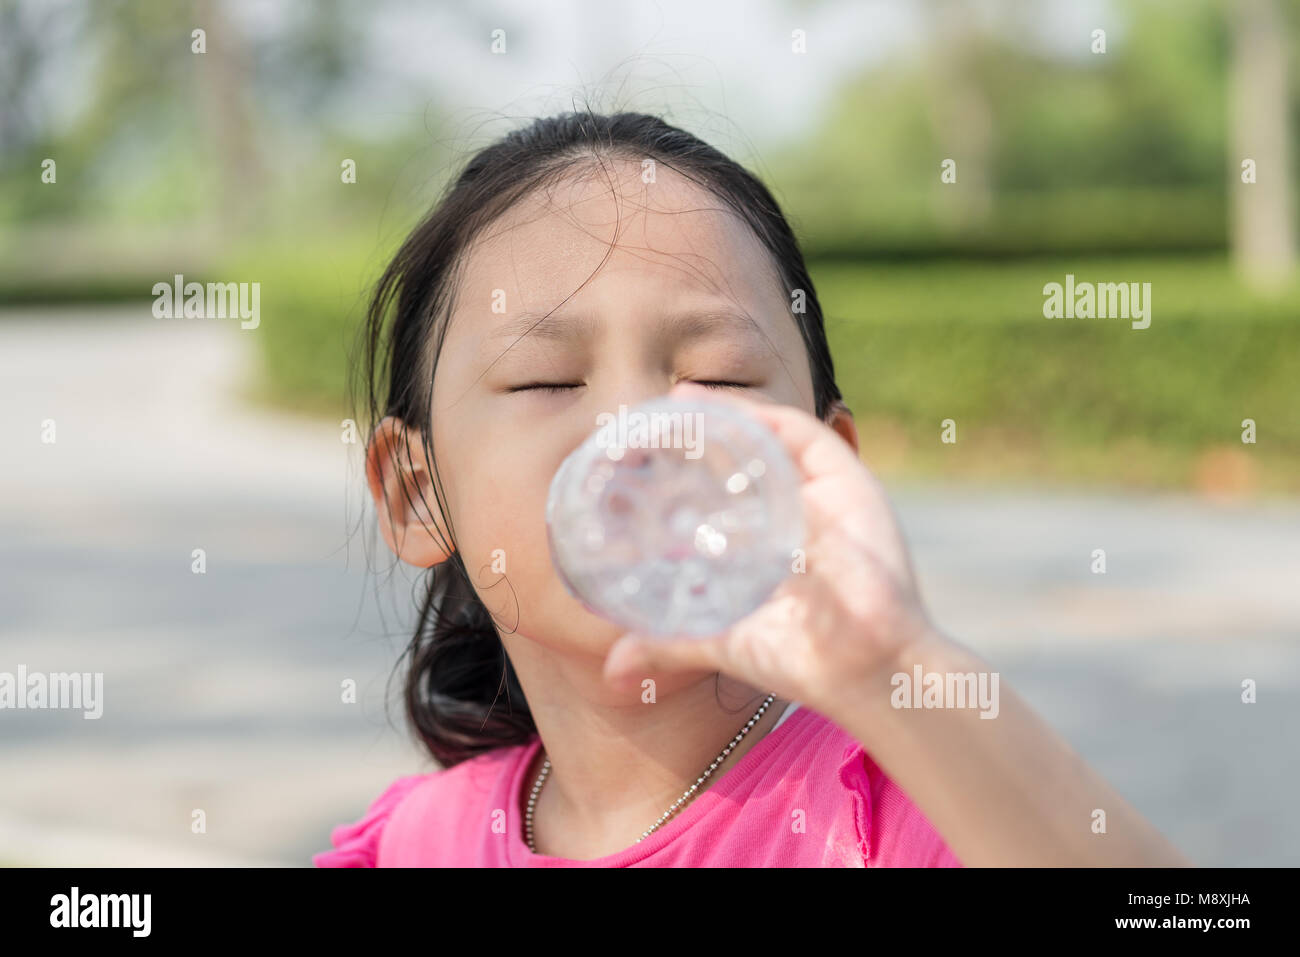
[(675, 517)]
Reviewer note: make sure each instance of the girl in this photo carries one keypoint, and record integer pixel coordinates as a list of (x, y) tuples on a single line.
[(582, 263)]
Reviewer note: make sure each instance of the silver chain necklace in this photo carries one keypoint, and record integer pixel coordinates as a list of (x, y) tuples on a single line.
[(546, 769)]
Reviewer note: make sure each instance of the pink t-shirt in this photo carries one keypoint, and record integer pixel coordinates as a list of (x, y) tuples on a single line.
[(807, 795)]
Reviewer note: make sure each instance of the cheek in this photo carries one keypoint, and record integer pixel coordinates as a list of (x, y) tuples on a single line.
[(497, 499), (500, 519)]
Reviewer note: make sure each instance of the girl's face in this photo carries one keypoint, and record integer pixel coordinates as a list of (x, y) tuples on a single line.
[(686, 292)]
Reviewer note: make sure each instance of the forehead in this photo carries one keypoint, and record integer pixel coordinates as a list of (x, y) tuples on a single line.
[(602, 222)]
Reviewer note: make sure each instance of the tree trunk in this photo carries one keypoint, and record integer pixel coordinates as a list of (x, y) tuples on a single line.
[(1262, 226)]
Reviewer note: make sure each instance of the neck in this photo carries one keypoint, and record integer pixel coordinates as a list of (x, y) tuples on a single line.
[(619, 761)]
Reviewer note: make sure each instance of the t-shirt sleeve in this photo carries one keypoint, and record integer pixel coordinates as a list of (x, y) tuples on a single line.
[(892, 831), (357, 844)]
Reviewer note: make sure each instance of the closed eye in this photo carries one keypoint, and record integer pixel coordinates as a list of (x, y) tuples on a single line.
[(557, 387), (551, 387), (718, 384)]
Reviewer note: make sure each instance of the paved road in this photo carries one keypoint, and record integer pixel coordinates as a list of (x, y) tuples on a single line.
[(222, 689)]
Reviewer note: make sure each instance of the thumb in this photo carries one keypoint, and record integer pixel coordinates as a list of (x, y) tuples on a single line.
[(636, 657), (626, 662)]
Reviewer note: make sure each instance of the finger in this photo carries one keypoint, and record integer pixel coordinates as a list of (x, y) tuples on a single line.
[(636, 657), (815, 447)]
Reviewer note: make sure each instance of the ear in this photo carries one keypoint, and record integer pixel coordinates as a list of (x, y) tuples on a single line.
[(840, 419), (402, 488)]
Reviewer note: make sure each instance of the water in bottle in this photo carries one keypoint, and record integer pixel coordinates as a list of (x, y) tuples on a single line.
[(676, 517)]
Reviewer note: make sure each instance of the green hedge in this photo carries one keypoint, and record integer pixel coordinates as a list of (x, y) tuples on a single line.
[(1086, 400), (314, 294)]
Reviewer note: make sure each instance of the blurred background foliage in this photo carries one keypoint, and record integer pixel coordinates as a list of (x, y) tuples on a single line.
[(1116, 167)]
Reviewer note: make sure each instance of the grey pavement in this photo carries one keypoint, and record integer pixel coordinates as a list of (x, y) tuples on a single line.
[(222, 690)]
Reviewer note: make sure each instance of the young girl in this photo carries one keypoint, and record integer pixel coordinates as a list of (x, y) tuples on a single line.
[(590, 261)]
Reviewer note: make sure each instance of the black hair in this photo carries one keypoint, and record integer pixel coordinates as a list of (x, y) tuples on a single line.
[(459, 671)]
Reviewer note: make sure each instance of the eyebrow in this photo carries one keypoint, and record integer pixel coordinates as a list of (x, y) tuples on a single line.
[(565, 327)]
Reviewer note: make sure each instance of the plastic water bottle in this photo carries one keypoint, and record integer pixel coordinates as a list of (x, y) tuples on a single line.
[(675, 517)]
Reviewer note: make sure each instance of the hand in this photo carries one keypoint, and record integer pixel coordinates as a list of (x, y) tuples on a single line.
[(826, 634)]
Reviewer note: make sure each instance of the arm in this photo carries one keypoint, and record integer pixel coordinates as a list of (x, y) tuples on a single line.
[(1006, 791), (1002, 790)]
